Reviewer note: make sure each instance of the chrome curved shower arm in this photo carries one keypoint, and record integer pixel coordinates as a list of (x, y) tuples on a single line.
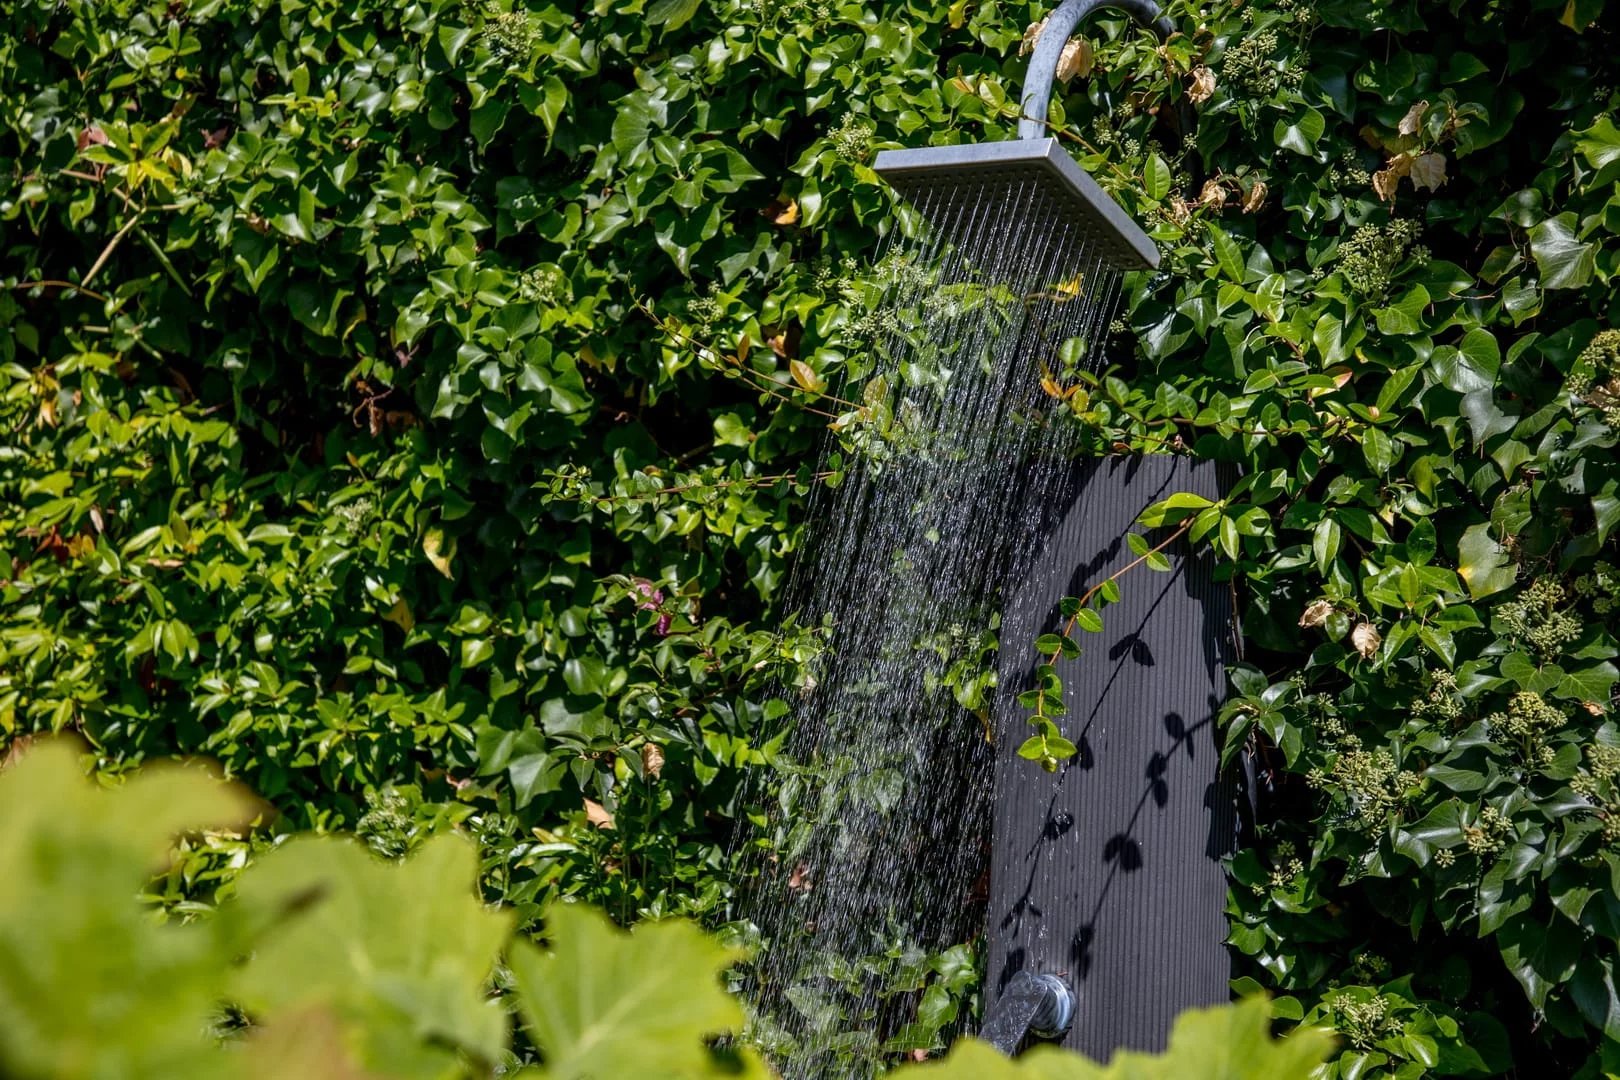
[(1060, 25)]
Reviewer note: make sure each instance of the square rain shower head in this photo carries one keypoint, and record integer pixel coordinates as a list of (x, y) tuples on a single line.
[(1031, 170)]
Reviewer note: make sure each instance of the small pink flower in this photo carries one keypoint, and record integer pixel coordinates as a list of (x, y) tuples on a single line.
[(662, 629), (651, 595)]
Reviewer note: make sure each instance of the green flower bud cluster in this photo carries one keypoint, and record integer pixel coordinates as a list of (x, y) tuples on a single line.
[(1445, 858), (1369, 966), (1369, 259), (1370, 782), (775, 11), (1601, 586), (353, 514), (1490, 835), (509, 35), (1595, 376), (387, 823), (1533, 619), (1287, 875), (1596, 784), (1349, 179), (1442, 702), (706, 311), (1528, 717), (1247, 67), (542, 285), (1363, 1022), (852, 138), (874, 323)]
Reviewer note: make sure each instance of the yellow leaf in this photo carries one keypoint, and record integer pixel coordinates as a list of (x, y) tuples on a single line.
[(400, 615), (958, 14), (1212, 195), (806, 376), (439, 552), (784, 213)]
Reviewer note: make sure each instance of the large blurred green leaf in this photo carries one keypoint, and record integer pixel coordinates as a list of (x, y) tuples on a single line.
[(90, 984), (606, 1003), (1226, 1042), (401, 953)]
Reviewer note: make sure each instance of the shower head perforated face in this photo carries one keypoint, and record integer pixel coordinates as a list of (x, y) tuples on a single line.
[(1034, 170)]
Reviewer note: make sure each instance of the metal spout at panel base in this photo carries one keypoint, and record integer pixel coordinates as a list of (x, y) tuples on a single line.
[(1032, 1005)]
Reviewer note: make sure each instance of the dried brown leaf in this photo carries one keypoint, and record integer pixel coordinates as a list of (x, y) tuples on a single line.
[(1387, 179), (598, 815), (1413, 120), (1212, 195), (1203, 85), (1256, 198), (1316, 613), (1075, 59), (1032, 34), (1429, 171), (400, 615), (1366, 639), (652, 759)]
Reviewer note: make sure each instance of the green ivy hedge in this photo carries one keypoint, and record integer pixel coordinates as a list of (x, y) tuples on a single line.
[(411, 406)]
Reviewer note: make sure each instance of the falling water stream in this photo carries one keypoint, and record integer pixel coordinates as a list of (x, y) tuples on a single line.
[(880, 832)]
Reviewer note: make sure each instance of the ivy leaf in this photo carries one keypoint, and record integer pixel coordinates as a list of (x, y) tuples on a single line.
[(671, 14), (1564, 261), (1439, 828), (603, 1002), (1301, 135), (1405, 316), (1483, 564), (1600, 146)]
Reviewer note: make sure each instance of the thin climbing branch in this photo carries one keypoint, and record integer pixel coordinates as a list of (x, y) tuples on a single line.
[(53, 283)]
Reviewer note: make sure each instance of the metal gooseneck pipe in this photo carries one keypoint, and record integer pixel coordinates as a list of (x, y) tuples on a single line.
[(1059, 28)]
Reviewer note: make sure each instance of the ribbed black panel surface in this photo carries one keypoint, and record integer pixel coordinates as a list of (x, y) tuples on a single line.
[(1108, 872)]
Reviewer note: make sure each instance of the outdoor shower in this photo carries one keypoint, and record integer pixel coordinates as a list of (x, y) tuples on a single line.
[(1059, 845), (965, 514)]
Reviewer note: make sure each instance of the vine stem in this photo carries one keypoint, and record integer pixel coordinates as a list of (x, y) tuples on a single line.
[(1068, 627), (750, 481)]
